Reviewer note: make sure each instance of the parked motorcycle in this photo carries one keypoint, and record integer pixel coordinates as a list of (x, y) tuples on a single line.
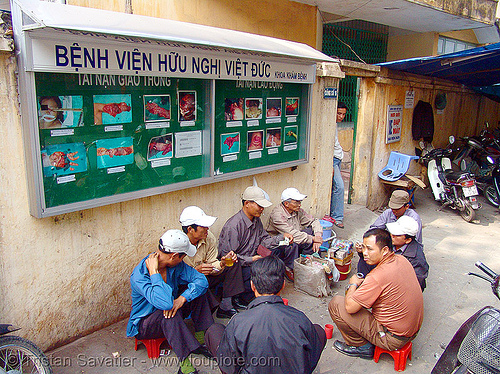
[(475, 347), (456, 189), (476, 157), (19, 355)]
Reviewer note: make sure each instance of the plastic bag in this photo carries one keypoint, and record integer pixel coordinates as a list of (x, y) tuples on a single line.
[(311, 278)]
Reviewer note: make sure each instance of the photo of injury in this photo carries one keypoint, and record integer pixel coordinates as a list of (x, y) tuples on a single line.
[(253, 108), (187, 106), (156, 108), (255, 140), (233, 109), (291, 106), (273, 137), (55, 112), (273, 107), (160, 147), (290, 134), (112, 109), (64, 159), (230, 143), (115, 152)]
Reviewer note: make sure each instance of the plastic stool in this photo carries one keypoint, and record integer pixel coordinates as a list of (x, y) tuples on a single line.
[(399, 356), (152, 346)]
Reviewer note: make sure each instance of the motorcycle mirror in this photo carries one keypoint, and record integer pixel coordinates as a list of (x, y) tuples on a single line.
[(451, 139), (491, 160)]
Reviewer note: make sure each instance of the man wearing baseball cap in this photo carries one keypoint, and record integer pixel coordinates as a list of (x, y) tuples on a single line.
[(403, 233), (157, 309), (244, 233), (195, 223), (290, 217), (399, 205)]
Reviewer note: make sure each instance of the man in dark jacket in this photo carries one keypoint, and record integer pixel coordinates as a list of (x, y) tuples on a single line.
[(269, 337), (403, 233)]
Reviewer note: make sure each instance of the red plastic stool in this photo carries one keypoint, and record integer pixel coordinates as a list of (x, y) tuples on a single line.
[(152, 346), (399, 356)]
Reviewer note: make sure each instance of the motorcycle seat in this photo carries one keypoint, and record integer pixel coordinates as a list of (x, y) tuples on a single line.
[(453, 175)]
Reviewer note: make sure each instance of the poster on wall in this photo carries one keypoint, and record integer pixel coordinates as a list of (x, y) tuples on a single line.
[(251, 124), (127, 134), (394, 123)]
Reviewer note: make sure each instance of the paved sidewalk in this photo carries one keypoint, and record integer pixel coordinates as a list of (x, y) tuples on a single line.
[(452, 246)]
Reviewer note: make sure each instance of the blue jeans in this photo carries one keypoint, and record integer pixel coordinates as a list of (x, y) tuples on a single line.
[(337, 203)]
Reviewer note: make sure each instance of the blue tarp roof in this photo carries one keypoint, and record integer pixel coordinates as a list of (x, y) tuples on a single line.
[(478, 68)]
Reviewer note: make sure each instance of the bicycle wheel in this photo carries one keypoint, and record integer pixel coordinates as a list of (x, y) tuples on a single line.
[(19, 355)]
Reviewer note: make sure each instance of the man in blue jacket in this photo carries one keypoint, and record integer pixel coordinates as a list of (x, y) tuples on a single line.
[(157, 309)]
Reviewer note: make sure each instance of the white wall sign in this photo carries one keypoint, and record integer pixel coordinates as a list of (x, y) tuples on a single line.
[(394, 123)]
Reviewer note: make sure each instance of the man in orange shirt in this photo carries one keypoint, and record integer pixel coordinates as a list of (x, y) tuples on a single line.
[(392, 292)]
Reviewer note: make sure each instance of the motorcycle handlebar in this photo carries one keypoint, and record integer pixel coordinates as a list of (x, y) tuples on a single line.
[(486, 270)]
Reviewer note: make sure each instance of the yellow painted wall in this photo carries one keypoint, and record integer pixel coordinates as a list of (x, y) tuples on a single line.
[(465, 114), (281, 19), (464, 35), (413, 45), (65, 276)]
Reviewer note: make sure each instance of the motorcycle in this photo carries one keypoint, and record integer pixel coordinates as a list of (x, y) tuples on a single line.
[(475, 347), (19, 355), (456, 189)]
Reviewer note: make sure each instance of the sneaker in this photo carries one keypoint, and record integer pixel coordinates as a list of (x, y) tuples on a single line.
[(329, 219)]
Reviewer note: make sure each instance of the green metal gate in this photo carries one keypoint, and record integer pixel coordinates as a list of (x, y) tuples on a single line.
[(359, 41)]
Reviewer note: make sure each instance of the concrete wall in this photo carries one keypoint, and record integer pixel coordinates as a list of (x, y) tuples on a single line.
[(281, 19), (67, 275), (413, 45), (465, 114)]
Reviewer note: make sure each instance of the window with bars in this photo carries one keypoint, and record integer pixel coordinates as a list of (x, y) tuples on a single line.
[(448, 45)]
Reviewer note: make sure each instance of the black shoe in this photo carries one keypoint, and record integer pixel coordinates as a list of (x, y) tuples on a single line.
[(203, 350), (239, 304), (289, 276), (221, 313), (365, 351), (193, 372)]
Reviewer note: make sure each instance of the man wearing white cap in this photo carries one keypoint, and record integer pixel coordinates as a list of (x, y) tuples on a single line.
[(399, 206), (403, 233), (227, 270), (290, 217), (157, 309), (244, 233)]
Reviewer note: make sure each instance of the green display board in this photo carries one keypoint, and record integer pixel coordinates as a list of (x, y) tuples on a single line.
[(102, 135), (259, 124)]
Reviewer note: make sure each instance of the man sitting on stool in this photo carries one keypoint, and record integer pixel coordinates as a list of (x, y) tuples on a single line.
[(157, 309), (392, 292), (290, 217), (269, 337), (195, 224)]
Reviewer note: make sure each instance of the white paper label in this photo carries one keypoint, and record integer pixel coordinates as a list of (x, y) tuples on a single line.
[(252, 123), (253, 155), (291, 119), (118, 169), (64, 132), (234, 124), (273, 120), (66, 179), (187, 123), (272, 151), (113, 128), (157, 125), (229, 158), (290, 147), (161, 162)]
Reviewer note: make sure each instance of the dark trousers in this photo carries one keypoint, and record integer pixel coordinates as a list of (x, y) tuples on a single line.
[(231, 278), (307, 248), (174, 329), (287, 253), (213, 336)]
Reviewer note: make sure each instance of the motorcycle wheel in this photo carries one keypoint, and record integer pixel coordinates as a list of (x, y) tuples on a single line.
[(467, 213), (491, 195), (19, 355)]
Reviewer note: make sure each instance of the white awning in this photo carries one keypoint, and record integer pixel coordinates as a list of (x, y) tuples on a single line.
[(44, 14)]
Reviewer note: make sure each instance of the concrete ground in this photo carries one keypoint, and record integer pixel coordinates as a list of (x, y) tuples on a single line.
[(452, 246)]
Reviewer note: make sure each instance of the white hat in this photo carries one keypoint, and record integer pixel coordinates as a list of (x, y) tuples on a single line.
[(405, 225), (192, 215), (292, 193), (175, 241), (258, 195)]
